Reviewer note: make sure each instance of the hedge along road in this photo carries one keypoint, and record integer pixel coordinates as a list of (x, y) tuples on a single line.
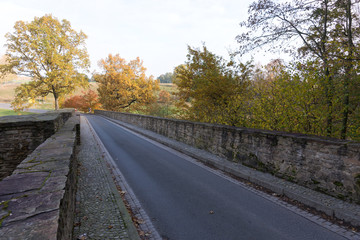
[(186, 201)]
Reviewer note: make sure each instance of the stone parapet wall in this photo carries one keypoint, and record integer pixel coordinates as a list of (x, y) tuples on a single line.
[(37, 201), (328, 165), (20, 135)]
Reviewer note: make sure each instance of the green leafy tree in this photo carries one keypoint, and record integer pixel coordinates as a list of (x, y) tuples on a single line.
[(51, 53), (328, 38), (166, 78), (279, 24), (288, 99), (211, 89), (346, 36)]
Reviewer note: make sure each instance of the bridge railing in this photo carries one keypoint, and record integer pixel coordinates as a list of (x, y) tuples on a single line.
[(37, 201), (331, 166)]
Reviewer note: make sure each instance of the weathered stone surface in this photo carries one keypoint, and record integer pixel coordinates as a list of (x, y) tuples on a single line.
[(20, 135), (20, 183), (43, 155), (31, 205), (42, 226), (327, 165), (40, 194), (54, 183), (64, 163)]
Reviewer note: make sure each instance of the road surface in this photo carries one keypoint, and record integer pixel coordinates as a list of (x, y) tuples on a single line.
[(186, 201)]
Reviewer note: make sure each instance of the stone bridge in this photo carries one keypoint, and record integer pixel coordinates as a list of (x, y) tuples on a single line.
[(38, 171), (331, 166), (38, 161)]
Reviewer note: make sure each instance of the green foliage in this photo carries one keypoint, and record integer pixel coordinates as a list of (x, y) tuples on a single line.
[(51, 53), (275, 97), (211, 89), (330, 35), (285, 101), (166, 78)]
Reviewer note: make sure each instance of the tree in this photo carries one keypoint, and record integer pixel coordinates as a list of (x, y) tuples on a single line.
[(51, 53), (164, 97), (166, 78), (124, 86), (88, 100), (76, 101), (211, 89), (347, 36), (326, 34), (5, 77), (288, 99), (279, 23)]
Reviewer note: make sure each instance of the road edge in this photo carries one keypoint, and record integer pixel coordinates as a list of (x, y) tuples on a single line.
[(130, 225), (329, 205)]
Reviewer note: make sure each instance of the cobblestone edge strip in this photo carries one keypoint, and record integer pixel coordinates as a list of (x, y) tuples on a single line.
[(324, 203), (37, 201), (113, 174)]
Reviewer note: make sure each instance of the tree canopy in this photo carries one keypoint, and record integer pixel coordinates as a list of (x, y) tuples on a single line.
[(85, 102), (211, 89), (124, 86), (51, 53), (328, 37), (166, 78)]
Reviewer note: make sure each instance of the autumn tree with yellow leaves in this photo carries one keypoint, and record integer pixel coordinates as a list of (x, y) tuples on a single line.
[(124, 86), (51, 53), (210, 89)]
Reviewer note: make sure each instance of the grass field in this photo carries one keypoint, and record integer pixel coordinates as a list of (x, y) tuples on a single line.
[(169, 87), (6, 112), (7, 93)]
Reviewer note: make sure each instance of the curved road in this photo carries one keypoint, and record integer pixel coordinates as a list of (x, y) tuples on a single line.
[(186, 201)]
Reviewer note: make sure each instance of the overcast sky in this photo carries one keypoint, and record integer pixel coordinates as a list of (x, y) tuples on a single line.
[(157, 31)]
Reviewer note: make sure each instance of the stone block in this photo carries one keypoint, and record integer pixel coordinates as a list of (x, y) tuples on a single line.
[(42, 226), (21, 183)]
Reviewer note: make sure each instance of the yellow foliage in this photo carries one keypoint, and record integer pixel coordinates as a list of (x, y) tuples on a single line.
[(124, 86), (212, 90), (51, 53)]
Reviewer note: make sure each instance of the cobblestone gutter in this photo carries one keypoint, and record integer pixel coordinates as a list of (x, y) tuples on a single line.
[(37, 200)]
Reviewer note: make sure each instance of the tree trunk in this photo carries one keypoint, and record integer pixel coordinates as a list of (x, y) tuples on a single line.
[(329, 91), (56, 97), (348, 70), (328, 84), (56, 103)]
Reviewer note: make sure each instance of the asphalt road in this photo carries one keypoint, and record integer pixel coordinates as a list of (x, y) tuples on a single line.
[(186, 201)]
